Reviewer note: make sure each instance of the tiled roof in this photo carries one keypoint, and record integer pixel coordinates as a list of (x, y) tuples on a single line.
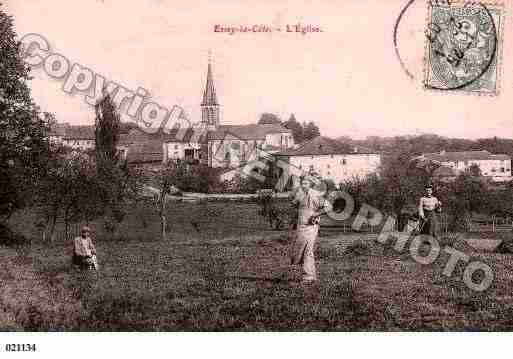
[(136, 135), (80, 133), (59, 129), (247, 132), (145, 152), (186, 135), (464, 156), (326, 146)]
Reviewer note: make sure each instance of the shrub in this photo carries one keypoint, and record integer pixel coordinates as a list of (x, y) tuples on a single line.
[(358, 248), (10, 238), (277, 214)]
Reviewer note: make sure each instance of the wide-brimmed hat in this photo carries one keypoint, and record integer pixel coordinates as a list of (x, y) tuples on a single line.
[(86, 229)]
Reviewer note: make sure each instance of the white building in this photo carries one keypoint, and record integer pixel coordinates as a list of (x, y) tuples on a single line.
[(496, 167), (333, 160)]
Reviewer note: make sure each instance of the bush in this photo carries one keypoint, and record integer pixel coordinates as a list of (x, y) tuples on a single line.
[(358, 248), (279, 215), (10, 239), (242, 184)]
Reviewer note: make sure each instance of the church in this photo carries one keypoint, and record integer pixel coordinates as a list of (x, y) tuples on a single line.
[(219, 145)]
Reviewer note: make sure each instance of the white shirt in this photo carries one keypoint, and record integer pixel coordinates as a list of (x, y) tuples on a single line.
[(428, 204), (84, 246)]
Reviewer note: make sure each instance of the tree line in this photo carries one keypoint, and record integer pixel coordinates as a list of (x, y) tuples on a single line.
[(300, 131), (431, 143)]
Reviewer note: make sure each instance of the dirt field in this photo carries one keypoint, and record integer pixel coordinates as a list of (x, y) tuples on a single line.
[(227, 271)]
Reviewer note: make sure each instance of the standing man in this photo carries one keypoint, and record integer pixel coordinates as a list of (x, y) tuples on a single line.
[(309, 204), (84, 252), (428, 207)]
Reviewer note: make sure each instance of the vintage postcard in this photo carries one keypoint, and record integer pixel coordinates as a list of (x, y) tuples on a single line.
[(247, 166)]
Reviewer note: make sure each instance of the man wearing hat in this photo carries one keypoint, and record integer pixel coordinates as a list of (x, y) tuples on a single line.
[(428, 207), (84, 252)]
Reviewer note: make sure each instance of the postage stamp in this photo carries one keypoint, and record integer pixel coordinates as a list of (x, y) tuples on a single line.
[(463, 46)]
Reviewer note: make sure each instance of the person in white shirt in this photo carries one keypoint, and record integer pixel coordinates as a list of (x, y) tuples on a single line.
[(310, 206), (429, 205), (84, 252)]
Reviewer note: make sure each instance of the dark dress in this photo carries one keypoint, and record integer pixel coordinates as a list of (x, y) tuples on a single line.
[(430, 224)]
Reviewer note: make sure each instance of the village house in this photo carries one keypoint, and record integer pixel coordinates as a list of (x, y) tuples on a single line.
[(331, 159), (73, 136), (496, 167)]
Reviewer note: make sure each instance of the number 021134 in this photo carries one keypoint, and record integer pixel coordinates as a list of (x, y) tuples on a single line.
[(20, 347)]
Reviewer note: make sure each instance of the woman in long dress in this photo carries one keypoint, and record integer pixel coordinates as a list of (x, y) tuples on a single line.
[(309, 204)]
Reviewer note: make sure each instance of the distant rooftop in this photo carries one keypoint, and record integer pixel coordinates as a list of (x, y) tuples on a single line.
[(326, 146), (79, 133), (247, 132)]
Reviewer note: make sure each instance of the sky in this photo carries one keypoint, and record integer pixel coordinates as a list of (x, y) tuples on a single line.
[(346, 78)]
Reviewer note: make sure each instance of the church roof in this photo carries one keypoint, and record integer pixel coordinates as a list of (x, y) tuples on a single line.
[(325, 146), (246, 132), (209, 96)]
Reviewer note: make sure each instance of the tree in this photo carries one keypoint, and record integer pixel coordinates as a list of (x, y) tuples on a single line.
[(119, 184), (296, 128), (269, 119), (69, 190), (398, 184), (168, 178), (23, 128), (310, 131), (107, 129), (474, 170)]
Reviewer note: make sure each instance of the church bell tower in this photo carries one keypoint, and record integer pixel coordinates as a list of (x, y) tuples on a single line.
[(209, 105)]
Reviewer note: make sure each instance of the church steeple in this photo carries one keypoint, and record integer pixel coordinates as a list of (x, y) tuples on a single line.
[(209, 105)]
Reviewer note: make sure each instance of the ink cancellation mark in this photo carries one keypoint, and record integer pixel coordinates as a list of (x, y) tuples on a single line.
[(462, 47)]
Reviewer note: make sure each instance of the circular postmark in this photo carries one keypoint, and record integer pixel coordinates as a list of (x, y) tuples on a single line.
[(455, 41), (462, 46)]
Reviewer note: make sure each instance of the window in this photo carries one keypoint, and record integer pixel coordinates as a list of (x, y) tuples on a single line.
[(502, 170), (494, 170), (176, 147), (344, 162), (327, 166)]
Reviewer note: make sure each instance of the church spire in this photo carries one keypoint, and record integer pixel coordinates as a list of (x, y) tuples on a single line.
[(209, 96), (209, 105)]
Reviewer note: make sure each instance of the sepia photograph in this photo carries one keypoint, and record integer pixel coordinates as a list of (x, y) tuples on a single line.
[(235, 166)]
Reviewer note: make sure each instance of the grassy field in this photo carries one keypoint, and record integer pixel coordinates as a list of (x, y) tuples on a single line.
[(227, 271)]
